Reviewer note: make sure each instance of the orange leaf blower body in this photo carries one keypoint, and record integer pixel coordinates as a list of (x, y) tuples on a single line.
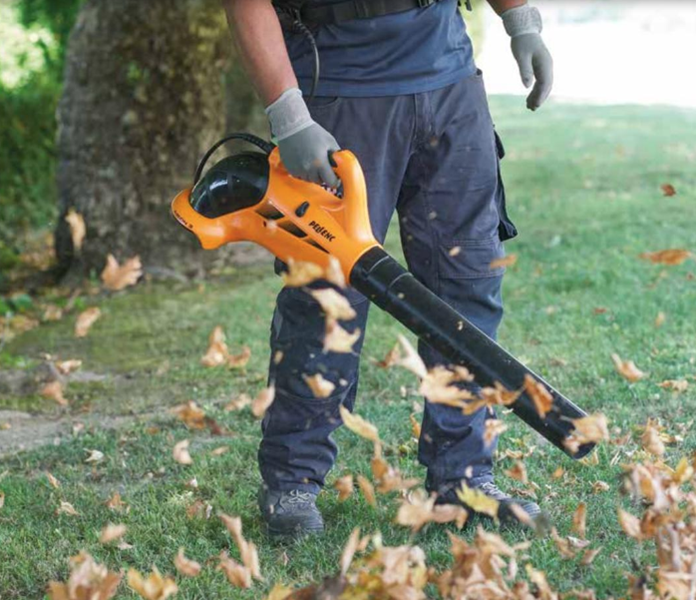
[(251, 197)]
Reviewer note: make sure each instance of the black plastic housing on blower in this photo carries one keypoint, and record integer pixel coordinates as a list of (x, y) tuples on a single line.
[(391, 287)]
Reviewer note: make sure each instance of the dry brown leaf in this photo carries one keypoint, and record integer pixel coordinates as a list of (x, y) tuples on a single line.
[(95, 456), (667, 257), (115, 503), (219, 451), (153, 587), (181, 453), (589, 555), (591, 429), (359, 425), (676, 385), (68, 509), (2, 499), (494, 428), (65, 367), (321, 388), (237, 574), (112, 532), (52, 313), (280, 592), (368, 491), (627, 369), (241, 360), (411, 359), (185, 566), (477, 501), (85, 320), (391, 359), (439, 386), (344, 485), (660, 319), (600, 486), (54, 391), (542, 398), (455, 251), (334, 304), (78, 229), (118, 277), (668, 190), (630, 524), (349, 551), (651, 441), (415, 426), (263, 401), (301, 273), (218, 352), (507, 261), (338, 339), (190, 414), (518, 472), (239, 403), (580, 520), (52, 480), (88, 581)]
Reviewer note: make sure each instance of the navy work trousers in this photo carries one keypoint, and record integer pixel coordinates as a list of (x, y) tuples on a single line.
[(434, 157)]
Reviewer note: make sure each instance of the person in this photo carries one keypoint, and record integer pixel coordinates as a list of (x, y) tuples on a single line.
[(398, 87)]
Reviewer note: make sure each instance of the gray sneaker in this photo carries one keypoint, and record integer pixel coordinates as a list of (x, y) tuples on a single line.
[(291, 513), (505, 513)]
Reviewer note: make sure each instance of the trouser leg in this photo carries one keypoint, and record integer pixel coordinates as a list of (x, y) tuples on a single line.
[(297, 451), (452, 218)]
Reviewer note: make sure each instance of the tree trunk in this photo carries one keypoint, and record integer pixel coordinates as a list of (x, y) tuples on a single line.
[(144, 97)]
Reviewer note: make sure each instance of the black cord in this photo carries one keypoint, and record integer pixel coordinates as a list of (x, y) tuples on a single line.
[(267, 147), (304, 30)]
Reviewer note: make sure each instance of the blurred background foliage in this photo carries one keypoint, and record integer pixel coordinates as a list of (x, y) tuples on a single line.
[(34, 36)]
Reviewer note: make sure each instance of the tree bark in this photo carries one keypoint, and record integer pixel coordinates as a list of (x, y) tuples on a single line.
[(144, 97)]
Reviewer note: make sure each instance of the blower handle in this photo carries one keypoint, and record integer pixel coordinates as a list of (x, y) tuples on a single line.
[(391, 287)]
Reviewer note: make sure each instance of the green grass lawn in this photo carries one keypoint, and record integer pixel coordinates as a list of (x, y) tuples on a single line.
[(584, 189)]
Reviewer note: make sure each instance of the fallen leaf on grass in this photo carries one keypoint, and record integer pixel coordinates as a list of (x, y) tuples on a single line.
[(518, 472), (494, 427), (53, 481), (321, 388), (181, 453), (368, 490), (667, 257), (85, 320), (218, 352), (241, 360), (78, 230), (391, 358), (247, 550), (154, 587), (115, 503), (676, 385), (118, 277), (668, 190), (335, 305), (66, 508), (239, 403), (359, 425), (415, 426), (237, 574), (580, 520), (338, 339), (65, 367), (542, 398), (111, 533), (589, 555), (95, 456), (600, 486), (263, 401), (651, 441), (349, 551), (660, 319), (88, 580), (477, 501), (219, 451), (627, 369), (54, 391), (52, 313), (185, 566), (630, 524), (190, 414), (507, 261), (344, 485), (280, 592), (2, 499)]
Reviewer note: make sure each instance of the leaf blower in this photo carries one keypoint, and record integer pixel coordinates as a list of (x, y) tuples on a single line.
[(250, 196)]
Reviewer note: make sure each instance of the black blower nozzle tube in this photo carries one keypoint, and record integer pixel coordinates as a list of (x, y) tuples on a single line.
[(391, 287)]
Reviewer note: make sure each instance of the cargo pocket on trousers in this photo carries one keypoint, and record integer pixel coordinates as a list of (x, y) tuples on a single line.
[(471, 259), (506, 229)]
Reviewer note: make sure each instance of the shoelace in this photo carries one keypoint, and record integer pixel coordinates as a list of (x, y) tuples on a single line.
[(492, 490), (299, 497)]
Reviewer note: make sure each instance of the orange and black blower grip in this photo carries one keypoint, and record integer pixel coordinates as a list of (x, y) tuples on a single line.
[(251, 197)]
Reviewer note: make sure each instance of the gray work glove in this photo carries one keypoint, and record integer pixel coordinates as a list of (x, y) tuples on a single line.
[(523, 24), (304, 145)]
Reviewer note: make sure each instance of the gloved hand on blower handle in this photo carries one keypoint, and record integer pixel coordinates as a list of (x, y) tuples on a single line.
[(305, 146), (524, 25)]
